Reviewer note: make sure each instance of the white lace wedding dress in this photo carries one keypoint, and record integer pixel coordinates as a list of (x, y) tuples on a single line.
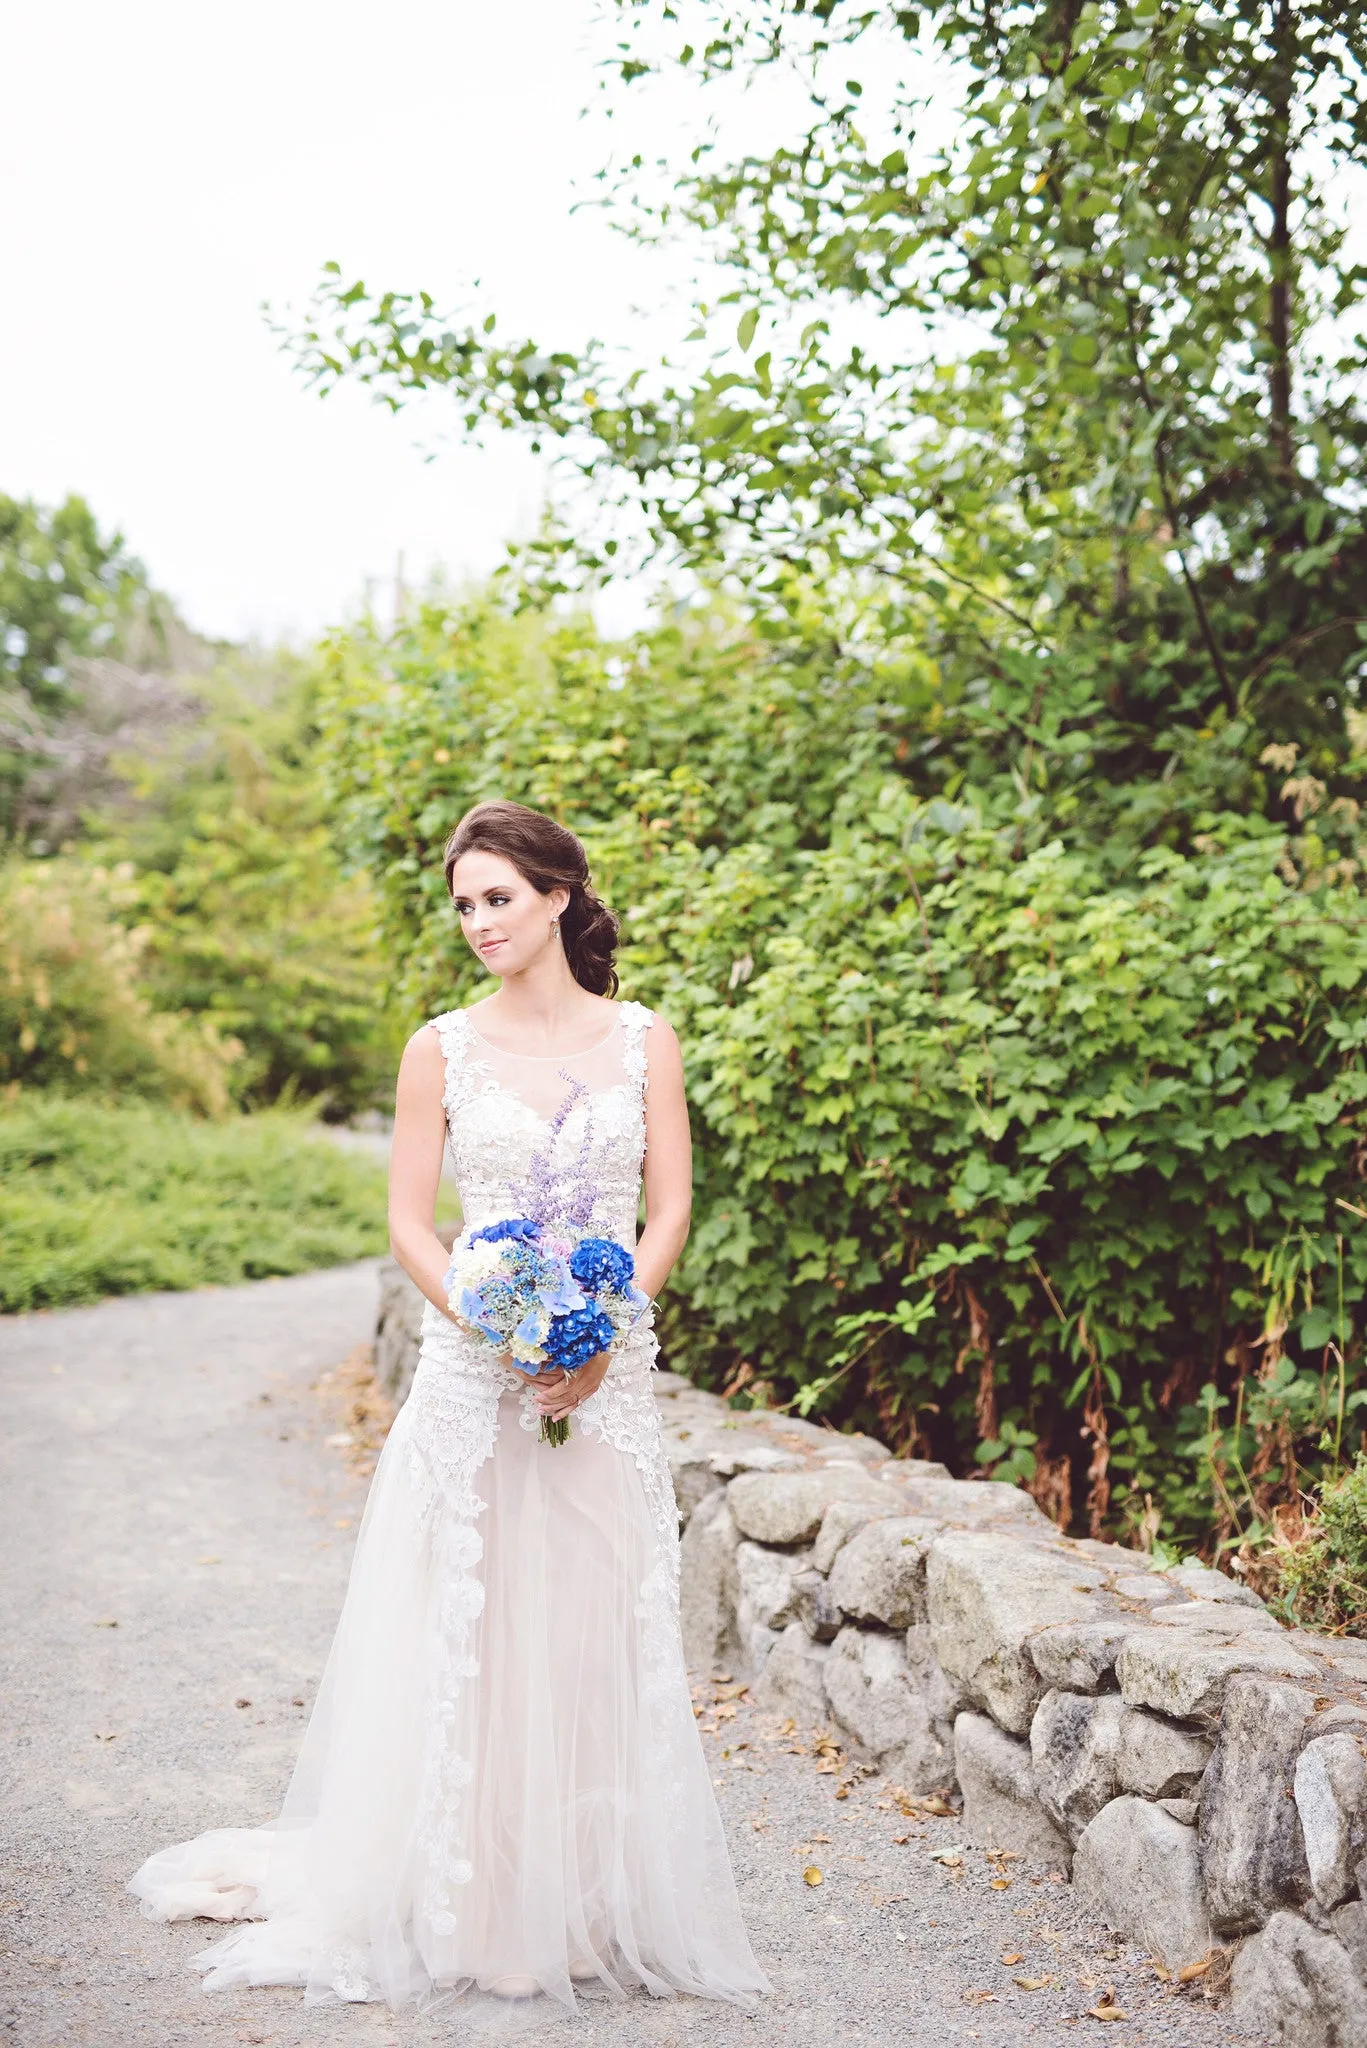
[(502, 1775)]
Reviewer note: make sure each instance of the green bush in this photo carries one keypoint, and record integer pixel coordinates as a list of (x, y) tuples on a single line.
[(100, 1198), (1016, 1146), (1323, 1579), (73, 1012), (248, 920)]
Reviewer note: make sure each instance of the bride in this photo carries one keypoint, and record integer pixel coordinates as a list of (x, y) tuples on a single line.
[(502, 1785)]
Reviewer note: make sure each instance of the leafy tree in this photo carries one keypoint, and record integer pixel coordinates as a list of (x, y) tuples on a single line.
[(248, 921), (62, 585), (67, 592), (1128, 519)]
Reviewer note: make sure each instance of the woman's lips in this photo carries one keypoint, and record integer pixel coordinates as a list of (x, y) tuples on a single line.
[(490, 945)]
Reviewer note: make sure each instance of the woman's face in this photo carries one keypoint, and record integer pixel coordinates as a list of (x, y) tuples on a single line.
[(506, 920)]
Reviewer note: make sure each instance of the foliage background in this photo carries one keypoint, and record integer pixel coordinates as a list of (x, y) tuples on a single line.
[(987, 811)]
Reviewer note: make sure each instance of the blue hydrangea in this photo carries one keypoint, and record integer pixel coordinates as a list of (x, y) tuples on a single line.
[(510, 1226), (599, 1262), (578, 1337)]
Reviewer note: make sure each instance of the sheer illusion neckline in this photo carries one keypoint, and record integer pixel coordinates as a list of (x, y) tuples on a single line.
[(544, 1058)]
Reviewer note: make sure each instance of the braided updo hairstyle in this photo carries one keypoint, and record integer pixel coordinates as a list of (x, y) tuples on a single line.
[(549, 857)]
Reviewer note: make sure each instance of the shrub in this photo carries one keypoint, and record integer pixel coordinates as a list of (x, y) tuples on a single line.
[(1026, 1148), (73, 1014), (136, 1197), (1323, 1577)]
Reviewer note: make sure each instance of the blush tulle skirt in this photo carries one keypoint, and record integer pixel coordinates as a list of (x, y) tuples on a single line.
[(502, 1777)]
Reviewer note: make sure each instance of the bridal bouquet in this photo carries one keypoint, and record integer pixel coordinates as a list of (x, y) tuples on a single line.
[(548, 1299)]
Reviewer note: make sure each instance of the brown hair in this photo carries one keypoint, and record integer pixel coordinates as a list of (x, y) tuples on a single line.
[(549, 857)]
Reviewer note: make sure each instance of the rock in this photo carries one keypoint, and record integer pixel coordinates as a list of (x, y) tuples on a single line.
[(1222, 1623), (1145, 1586), (1080, 1656), (765, 1582), (944, 1696), (1331, 1791), (1252, 1850), (788, 1507), (1204, 1584), (1185, 1810), (1138, 1870), (693, 1480), (843, 1519), (899, 1469), (986, 1594), (708, 1584), (880, 1574), (1074, 1739), (1350, 1925), (764, 1599), (972, 1502), (1346, 1714), (1184, 1672), (815, 1608), (1299, 1988), (1001, 1808), (1158, 1760), (873, 1698), (398, 1330), (793, 1679)]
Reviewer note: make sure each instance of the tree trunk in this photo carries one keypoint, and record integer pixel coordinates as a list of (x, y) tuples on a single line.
[(1279, 240)]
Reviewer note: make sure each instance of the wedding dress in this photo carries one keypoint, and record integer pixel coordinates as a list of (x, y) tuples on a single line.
[(501, 1776)]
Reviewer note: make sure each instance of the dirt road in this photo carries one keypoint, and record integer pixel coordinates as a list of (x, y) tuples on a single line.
[(175, 1541)]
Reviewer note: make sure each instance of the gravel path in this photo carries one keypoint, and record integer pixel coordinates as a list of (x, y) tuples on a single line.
[(175, 1541)]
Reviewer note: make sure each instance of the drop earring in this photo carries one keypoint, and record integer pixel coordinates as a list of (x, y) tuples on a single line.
[(555, 927)]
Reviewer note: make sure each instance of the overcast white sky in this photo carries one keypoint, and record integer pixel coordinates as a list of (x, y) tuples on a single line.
[(165, 168)]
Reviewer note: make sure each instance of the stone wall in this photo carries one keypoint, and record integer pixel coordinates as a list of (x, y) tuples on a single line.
[(1195, 1767)]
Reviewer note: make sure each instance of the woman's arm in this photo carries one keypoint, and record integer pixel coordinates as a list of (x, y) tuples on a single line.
[(668, 1172), (415, 1164)]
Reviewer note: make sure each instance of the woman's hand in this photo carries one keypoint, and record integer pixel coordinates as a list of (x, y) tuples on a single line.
[(559, 1393)]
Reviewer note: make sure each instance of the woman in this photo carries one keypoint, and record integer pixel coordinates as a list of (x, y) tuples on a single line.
[(502, 1784)]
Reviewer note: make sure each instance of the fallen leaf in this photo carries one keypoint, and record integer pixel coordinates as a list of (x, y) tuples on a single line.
[(1015, 1957), (900, 1841), (818, 1838), (106, 1624), (1158, 1970), (1189, 1972), (241, 1703), (1032, 1983), (955, 1855), (208, 1560), (980, 1998), (811, 1875), (1106, 2009), (728, 1711), (842, 1791), (1001, 1884), (112, 1736)]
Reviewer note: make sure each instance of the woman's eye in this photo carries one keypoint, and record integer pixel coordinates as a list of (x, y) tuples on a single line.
[(496, 901)]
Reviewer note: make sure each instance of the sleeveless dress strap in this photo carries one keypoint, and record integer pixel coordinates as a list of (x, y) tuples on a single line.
[(636, 1021), (453, 1029)]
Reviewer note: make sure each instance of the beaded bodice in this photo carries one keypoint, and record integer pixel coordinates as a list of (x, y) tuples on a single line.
[(562, 1139)]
